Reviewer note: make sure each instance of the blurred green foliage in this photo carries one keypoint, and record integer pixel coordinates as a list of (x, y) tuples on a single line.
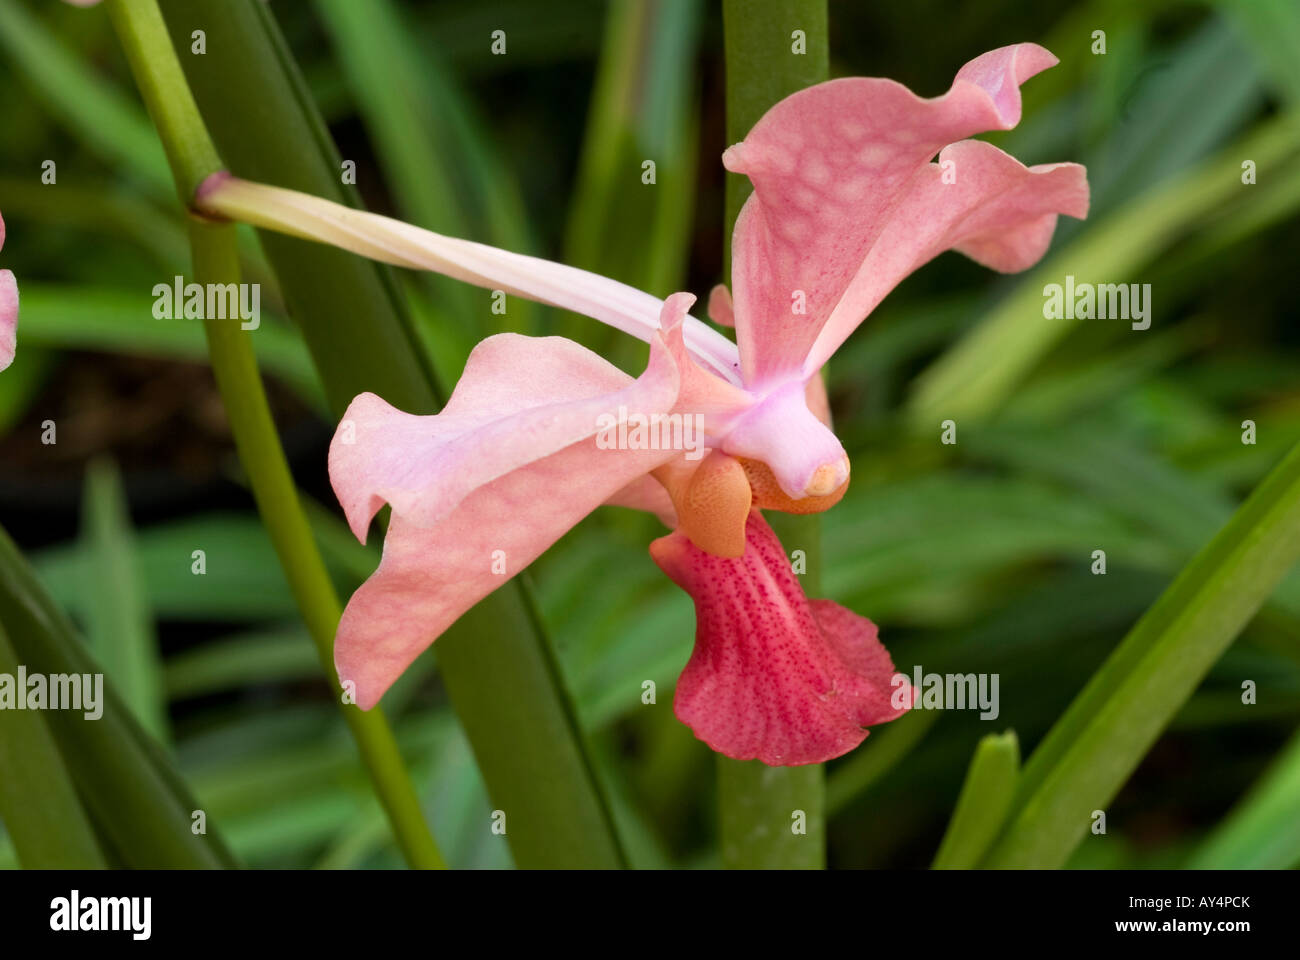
[(972, 558)]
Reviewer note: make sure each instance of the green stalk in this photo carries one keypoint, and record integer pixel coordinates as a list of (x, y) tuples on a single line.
[(216, 260), (143, 34), (497, 664), (758, 804), (193, 157)]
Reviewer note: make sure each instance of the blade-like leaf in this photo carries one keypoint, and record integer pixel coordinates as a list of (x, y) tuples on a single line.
[(138, 802), (38, 800), (1092, 750), (119, 624), (983, 803), (1263, 831)]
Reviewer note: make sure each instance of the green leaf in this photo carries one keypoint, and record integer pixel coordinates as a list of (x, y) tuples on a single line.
[(496, 663), (242, 579), (642, 109), (757, 802), (38, 800), (1262, 832), (115, 320), (433, 152), (983, 804), (106, 120), (1092, 750), (231, 663), (1273, 28), (140, 805), (119, 624)]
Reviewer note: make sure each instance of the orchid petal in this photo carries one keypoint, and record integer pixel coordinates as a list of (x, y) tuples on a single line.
[(8, 310), (998, 212), (829, 165), (480, 490), (720, 309), (775, 677), (647, 494), (392, 241), (8, 318)]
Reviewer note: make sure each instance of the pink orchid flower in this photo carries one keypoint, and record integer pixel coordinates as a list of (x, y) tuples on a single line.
[(8, 310), (846, 203)]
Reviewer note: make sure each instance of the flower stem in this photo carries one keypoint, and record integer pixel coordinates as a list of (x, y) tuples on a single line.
[(193, 157), (143, 34), (763, 809)]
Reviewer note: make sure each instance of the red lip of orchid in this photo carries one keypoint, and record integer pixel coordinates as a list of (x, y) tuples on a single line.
[(774, 676), (846, 203)]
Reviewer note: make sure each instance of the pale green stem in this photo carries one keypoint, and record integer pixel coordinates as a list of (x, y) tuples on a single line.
[(143, 32)]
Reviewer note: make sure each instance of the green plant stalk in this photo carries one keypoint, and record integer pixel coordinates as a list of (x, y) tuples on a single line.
[(496, 662), (143, 34), (216, 260), (758, 803), (38, 800), (193, 157), (1091, 751)]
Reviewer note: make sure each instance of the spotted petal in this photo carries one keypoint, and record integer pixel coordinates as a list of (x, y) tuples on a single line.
[(775, 677)]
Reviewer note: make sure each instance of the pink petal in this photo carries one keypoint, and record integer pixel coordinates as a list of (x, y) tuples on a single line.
[(829, 166), (648, 494), (8, 317), (720, 402), (480, 490), (775, 677), (720, 309), (998, 212)]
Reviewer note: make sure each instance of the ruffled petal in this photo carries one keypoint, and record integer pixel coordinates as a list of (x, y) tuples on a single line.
[(519, 399), (997, 211), (775, 677), (829, 164), (481, 490)]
